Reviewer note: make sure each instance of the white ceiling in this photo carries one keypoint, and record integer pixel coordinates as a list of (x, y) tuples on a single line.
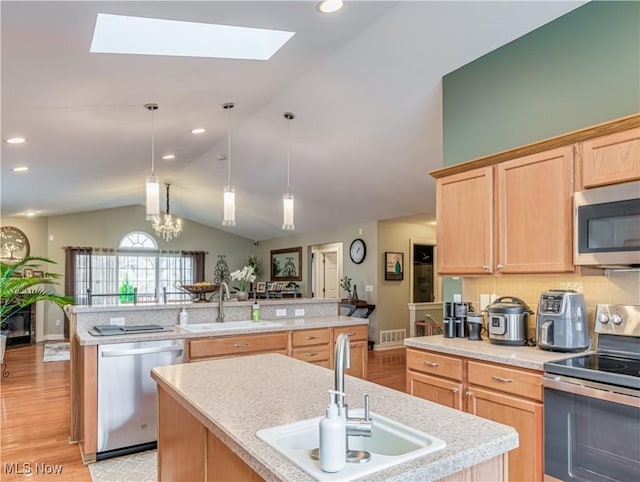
[(364, 84)]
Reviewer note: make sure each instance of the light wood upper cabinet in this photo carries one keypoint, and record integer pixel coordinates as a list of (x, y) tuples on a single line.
[(464, 234), (534, 213), (514, 217), (611, 159)]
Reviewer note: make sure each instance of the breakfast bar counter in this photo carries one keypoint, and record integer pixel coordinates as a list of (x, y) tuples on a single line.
[(210, 411)]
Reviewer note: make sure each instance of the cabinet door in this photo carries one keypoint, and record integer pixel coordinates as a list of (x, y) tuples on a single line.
[(434, 389), (611, 159), (359, 356), (535, 213), (525, 462), (464, 234)]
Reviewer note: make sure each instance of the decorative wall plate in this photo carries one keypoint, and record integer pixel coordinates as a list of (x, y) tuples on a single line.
[(14, 245)]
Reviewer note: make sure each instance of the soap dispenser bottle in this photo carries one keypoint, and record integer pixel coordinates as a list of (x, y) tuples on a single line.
[(255, 311), (184, 317), (333, 437)]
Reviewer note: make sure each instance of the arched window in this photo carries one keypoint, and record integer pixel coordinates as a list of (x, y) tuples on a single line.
[(138, 240)]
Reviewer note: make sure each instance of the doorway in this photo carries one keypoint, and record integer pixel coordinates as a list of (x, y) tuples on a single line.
[(425, 283), (326, 269)]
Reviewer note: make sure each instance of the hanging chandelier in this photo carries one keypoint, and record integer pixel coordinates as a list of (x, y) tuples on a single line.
[(287, 199), (166, 227), (152, 184), (229, 198)]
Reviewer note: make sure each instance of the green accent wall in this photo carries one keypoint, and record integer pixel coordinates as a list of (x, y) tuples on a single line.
[(579, 70)]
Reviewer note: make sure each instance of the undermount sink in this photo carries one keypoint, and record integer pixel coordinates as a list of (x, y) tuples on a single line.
[(391, 443), (229, 325)]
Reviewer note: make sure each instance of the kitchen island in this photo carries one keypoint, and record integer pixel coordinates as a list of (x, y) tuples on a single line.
[(209, 413)]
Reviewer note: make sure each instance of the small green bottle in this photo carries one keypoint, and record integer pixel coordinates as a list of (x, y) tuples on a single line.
[(255, 312)]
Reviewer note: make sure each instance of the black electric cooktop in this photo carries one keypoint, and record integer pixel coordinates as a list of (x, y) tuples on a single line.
[(621, 371)]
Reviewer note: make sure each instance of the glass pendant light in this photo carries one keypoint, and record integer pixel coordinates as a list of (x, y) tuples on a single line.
[(152, 185), (229, 199), (287, 199)]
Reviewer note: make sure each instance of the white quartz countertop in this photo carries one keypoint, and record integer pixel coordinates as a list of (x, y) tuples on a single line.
[(520, 356), (175, 332), (236, 397)]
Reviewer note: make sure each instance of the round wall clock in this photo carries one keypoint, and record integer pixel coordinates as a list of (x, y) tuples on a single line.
[(14, 245), (358, 251)]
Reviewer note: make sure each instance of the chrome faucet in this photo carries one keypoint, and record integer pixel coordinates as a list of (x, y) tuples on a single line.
[(223, 286), (359, 427)]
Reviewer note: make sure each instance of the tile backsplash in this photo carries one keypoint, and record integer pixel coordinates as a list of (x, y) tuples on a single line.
[(616, 287)]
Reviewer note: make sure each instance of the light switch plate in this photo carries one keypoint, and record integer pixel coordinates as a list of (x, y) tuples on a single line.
[(368, 288), (281, 312), (117, 321), (299, 312)]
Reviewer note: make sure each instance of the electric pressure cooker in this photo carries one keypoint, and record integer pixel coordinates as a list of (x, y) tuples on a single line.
[(507, 321)]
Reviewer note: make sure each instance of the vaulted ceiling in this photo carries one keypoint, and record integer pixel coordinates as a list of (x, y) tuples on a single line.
[(364, 84)]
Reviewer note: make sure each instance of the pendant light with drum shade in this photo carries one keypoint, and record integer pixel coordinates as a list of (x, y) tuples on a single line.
[(287, 199), (152, 184), (229, 199)]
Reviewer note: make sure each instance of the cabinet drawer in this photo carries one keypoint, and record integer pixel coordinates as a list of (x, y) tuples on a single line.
[(310, 337), (231, 345), (434, 364), (355, 332), (311, 355), (509, 380)]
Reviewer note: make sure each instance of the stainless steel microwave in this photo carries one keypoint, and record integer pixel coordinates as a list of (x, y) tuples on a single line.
[(606, 226)]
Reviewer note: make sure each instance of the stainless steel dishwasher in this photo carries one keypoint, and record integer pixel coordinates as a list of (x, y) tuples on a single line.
[(127, 399)]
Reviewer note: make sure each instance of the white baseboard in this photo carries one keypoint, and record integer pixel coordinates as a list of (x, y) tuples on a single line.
[(388, 346), (54, 337)]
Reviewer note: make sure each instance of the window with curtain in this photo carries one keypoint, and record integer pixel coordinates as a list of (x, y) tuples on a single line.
[(136, 271)]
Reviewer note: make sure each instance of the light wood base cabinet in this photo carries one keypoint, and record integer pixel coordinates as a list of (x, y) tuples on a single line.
[(504, 394)]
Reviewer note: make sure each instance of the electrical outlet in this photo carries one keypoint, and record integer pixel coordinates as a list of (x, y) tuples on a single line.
[(299, 312), (281, 312), (368, 288), (57, 322), (117, 321)]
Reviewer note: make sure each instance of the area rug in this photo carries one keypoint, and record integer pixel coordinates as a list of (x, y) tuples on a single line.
[(131, 468), (56, 352)]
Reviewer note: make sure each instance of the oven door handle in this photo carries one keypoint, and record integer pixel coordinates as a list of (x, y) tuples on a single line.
[(586, 388)]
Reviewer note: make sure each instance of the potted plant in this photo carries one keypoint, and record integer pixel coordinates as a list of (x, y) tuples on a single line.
[(244, 278), (17, 292)]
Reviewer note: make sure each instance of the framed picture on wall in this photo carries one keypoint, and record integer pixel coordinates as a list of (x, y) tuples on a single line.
[(286, 264), (393, 266)]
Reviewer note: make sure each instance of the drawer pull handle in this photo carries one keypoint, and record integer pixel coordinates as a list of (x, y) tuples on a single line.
[(352, 345), (432, 364), (351, 333), (241, 345), (502, 380), (311, 337), (455, 389), (310, 354)]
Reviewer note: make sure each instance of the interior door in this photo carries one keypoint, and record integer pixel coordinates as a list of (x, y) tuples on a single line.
[(331, 274)]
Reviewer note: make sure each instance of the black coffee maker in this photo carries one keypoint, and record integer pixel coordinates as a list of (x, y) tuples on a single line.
[(475, 323)]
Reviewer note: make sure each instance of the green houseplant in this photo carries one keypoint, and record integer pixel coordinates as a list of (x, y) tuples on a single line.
[(17, 292)]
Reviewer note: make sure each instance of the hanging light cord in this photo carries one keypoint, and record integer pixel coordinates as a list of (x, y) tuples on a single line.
[(153, 142), (167, 184)]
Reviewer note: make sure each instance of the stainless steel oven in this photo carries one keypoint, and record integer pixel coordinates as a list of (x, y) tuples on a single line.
[(607, 226), (592, 404)]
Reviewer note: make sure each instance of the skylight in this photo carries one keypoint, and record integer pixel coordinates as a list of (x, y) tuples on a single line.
[(118, 34)]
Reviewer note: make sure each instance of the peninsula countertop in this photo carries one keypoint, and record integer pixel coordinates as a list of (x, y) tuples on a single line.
[(236, 397), (172, 332), (530, 357)]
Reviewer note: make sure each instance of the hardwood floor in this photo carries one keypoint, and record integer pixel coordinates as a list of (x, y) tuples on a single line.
[(35, 413), (35, 420)]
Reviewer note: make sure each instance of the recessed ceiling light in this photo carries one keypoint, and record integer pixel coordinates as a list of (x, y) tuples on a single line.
[(20, 169), (329, 6), (16, 140), (119, 34), (198, 130), (168, 157)]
